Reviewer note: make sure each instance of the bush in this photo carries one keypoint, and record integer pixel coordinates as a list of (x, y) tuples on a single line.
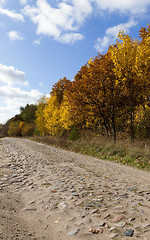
[(28, 129), (74, 134), (142, 122), (14, 128)]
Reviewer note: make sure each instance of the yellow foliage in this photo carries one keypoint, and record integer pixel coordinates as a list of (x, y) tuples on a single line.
[(21, 124), (40, 119), (124, 55), (143, 63), (27, 129), (14, 128), (52, 116), (142, 121), (66, 120)]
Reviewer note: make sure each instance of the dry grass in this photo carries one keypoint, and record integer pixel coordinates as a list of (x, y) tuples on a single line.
[(136, 154)]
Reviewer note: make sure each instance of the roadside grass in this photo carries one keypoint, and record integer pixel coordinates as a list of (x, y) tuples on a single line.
[(135, 154)]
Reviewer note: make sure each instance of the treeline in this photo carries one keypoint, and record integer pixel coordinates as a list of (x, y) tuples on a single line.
[(110, 95), (22, 124)]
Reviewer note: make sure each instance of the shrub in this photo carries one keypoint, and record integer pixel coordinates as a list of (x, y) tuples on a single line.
[(74, 134), (142, 122)]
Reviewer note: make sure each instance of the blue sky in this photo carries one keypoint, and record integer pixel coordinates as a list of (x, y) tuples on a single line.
[(42, 41)]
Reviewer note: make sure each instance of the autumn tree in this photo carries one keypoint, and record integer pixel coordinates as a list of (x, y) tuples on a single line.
[(142, 122), (27, 129), (28, 113), (66, 118), (76, 96), (40, 119), (14, 128), (56, 113), (59, 88), (52, 116), (143, 63), (144, 33), (94, 94), (124, 59)]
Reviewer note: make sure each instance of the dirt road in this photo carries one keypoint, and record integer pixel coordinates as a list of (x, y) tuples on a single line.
[(53, 194)]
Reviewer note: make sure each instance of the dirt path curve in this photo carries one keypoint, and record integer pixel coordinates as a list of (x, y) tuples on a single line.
[(53, 194)]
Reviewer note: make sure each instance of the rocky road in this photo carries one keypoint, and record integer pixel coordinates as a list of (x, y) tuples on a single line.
[(53, 194)]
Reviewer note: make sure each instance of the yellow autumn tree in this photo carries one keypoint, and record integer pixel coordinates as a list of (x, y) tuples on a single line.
[(66, 118), (40, 119), (143, 62), (124, 59), (52, 116), (142, 121), (57, 111)]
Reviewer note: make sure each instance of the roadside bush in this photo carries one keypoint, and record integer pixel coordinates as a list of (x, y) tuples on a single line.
[(14, 128), (74, 134), (142, 122), (28, 129)]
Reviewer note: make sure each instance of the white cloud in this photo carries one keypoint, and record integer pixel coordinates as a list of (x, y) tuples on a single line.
[(102, 43), (133, 7), (13, 93), (61, 22), (64, 21), (111, 34), (11, 76), (113, 31), (14, 35), (2, 1), (82, 9), (37, 41), (13, 98), (12, 14), (23, 2), (49, 21), (70, 37), (26, 84)]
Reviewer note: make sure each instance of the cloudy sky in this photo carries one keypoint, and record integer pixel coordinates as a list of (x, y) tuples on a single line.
[(42, 41)]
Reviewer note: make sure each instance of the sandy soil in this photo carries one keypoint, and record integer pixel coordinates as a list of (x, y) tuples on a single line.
[(53, 194)]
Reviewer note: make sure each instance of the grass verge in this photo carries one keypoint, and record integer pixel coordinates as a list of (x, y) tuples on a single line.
[(136, 154)]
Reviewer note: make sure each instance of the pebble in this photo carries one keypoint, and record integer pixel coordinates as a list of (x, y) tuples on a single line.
[(92, 204), (118, 218), (32, 202), (146, 225), (73, 232), (106, 216), (112, 229), (132, 189), (62, 205), (102, 224), (87, 220), (128, 232), (120, 224), (75, 194), (113, 235)]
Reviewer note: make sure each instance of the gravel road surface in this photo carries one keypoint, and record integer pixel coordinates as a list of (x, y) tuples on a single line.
[(53, 194)]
